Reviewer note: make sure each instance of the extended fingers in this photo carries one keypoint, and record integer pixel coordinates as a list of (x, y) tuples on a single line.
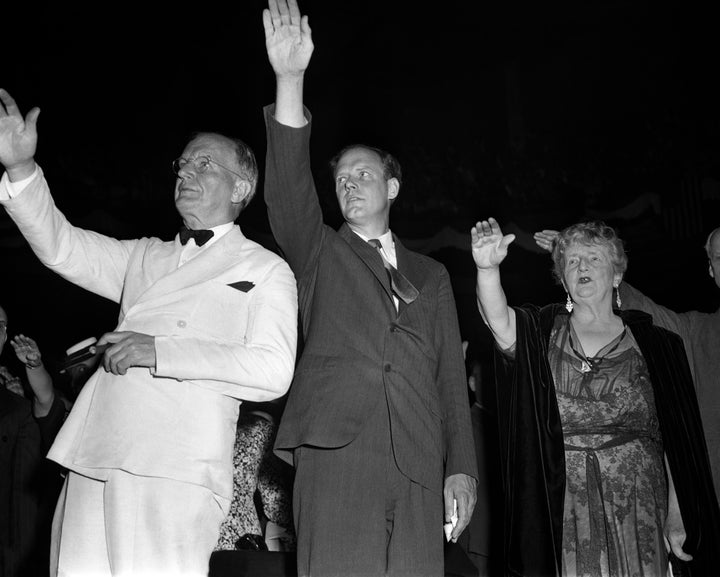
[(487, 227), (272, 12), (294, 12), (21, 341), (9, 108), (283, 12)]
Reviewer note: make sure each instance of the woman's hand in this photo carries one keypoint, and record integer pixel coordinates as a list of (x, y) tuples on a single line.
[(545, 239), (675, 536), (27, 351), (674, 529), (489, 246)]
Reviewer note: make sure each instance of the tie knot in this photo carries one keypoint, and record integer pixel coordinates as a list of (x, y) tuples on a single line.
[(201, 236), (376, 243)]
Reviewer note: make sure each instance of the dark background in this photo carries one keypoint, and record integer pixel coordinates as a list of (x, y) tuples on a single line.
[(538, 115)]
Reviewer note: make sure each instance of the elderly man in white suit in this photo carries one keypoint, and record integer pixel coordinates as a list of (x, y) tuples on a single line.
[(203, 324)]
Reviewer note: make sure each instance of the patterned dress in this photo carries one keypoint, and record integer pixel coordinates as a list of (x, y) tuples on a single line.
[(262, 488), (616, 492)]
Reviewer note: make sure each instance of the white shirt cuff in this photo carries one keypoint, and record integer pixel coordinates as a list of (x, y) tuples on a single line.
[(12, 189)]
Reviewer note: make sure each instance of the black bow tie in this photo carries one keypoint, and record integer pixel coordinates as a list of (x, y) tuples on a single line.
[(200, 236)]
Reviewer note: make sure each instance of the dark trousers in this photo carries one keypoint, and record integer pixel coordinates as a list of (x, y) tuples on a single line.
[(357, 515)]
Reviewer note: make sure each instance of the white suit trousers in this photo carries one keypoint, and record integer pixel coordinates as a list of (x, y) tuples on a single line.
[(133, 526)]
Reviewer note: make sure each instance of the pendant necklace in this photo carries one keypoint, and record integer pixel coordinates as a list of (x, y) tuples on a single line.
[(592, 364)]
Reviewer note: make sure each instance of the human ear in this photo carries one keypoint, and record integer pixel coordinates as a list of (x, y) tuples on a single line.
[(393, 188), (240, 191)]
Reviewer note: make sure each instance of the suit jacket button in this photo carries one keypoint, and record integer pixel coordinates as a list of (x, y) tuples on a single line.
[(388, 368), (181, 324)]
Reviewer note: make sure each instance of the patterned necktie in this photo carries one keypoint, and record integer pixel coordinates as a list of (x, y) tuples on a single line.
[(401, 286), (200, 236)]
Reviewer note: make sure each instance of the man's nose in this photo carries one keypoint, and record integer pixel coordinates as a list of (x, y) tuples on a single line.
[(187, 170)]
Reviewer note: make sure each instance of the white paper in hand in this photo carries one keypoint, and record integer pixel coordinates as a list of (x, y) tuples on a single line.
[(453, 521)]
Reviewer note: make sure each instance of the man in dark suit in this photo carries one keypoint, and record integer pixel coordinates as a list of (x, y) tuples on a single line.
[(377, 421)]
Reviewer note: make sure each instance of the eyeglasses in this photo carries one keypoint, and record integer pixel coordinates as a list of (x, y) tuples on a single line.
[(200, 164)]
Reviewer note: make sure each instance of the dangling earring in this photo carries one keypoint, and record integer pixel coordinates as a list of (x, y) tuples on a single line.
[(569, 304), (617, 296)]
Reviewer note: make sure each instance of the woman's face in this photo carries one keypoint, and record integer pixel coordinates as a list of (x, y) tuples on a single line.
[(589, 273)]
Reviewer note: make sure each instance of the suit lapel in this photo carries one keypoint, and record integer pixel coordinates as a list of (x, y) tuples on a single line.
[(407, 262), (368, 255), (198, 270)]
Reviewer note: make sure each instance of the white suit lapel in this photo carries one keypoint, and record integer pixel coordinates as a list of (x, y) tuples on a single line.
[(205, 266)]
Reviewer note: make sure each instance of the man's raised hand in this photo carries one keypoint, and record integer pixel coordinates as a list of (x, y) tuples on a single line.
[(288, 38), (18, 138)]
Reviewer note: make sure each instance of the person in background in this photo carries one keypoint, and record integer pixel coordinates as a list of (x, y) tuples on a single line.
[(206, 320), (53, 400), (481, 542), (22, 548), (51, 405), (7, 379), (700, 332), (377, 421), (262, 491), (604, 458)]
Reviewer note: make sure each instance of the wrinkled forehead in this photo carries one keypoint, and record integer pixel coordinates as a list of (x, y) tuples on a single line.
[(586, 247), (213, 145)]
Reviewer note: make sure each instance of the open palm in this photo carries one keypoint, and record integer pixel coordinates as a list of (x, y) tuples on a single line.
[(288, 38), (26, 349), (18, 136), (489, 245)]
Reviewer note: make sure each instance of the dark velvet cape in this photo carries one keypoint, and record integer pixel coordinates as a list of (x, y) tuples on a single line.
[(533, 456)]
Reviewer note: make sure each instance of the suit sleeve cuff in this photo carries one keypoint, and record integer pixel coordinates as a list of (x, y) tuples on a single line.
[(12, 189)]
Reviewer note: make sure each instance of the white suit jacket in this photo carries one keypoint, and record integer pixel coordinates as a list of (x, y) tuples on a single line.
[(216, 344)]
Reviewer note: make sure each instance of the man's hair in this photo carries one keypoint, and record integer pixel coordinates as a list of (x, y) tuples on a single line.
[(708, 242), (391, 166), (594, 232), (247, 164)]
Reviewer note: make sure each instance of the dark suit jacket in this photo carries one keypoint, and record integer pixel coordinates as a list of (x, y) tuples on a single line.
[(533, 455), (21, 489), (359, 353)]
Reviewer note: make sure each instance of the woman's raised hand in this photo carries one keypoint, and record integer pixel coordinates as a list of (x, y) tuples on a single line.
[(489, 245)]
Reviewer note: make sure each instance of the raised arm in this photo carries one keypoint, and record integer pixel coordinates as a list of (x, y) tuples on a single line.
[(18, 138), (545, 239), (28, 353), (489, 249), (289, 45), (294, 211)]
